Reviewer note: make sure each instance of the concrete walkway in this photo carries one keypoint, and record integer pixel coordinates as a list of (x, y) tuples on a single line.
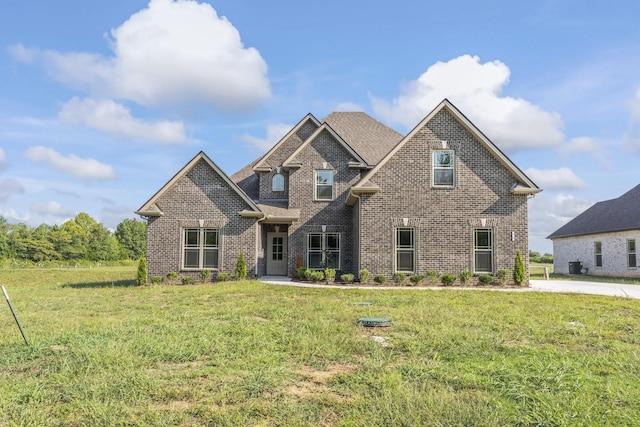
[(560, 286)]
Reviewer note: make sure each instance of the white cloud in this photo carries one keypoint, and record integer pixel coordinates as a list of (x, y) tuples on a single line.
[(11, 214), (108, 116), (3, 158), (72, 165), (51, 208), (8, 187), (596, 148), (274, 134), (555, 179), (172, 52), (475, 88)]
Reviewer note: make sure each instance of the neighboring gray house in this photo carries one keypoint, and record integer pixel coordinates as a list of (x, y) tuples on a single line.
[(349, 193), (602, 239)]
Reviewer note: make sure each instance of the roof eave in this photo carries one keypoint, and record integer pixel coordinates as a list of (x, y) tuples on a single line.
[(355, 192)]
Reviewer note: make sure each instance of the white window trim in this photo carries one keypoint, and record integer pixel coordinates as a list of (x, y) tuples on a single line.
[(324, 248), (434, 168), (315, 185), (200, 248), (398, 248), (596, 254), (634, 254), (491, 250)]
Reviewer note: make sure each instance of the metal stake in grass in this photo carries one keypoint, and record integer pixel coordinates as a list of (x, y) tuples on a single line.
[(15, 316)]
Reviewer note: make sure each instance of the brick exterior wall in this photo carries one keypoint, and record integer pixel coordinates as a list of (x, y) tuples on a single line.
[(443, 218), (581, 248), (201, 194)]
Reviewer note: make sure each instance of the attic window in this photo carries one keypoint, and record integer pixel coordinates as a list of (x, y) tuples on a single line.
[(443, 168), (277, 182)]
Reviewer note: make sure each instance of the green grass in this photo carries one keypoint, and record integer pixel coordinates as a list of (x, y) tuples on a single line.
[(105, 353)]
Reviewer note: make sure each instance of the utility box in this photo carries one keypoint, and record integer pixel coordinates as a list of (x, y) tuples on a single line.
[(575, 267)]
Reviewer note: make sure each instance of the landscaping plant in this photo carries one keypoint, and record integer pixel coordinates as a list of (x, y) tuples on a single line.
[(142, 275), (519, 275)]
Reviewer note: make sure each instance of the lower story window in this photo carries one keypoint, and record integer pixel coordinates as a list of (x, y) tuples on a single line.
[(405, 250), (323, 250), (597, 250), (631, 253), (201, 248), (483, 250)]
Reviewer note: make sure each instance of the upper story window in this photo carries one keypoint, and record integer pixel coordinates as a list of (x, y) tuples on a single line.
[(443, 168), (631, 253), (277, 182), (323, 185), (200, 248)]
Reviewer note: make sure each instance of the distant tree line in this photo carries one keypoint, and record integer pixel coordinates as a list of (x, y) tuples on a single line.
[(78, 239), (536, 257)]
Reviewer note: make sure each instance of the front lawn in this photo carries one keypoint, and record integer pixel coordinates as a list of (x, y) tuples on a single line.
[(105, 352)]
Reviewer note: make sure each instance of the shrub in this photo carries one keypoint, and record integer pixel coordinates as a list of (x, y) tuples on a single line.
[(485, 279), (380, 278), (432, 275), (187, 280), (330, 274), (364, 275), (308, 274), (142, 276), (241, 267), (317, 276), (300, 273), (399, 278), (156, 280), (447, 279), (465, 275), (223, 277), (416, 279), (347, 278), (205, 275), (503, 275), (518, 270), (172, 276)]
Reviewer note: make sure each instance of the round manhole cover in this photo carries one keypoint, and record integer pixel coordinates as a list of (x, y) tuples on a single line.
[(362, 303), (372, 322)]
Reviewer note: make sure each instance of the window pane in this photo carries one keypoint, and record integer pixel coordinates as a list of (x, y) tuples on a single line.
[(211, 238), (332, 259), (483, 262), (277, 184), (405, 261), (191, 237), (333, 241), (443, 177), (482, 239), (598, 247), (191, 258), (443, 158), (324, 192), (210, 258), (324, 185), (315, 241), (632, 260), (631, 246), (598, 260), (405, 238), (324, 177), (315, 259)]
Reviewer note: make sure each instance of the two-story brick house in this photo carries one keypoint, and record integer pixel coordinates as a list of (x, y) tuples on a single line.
[(349, 193)]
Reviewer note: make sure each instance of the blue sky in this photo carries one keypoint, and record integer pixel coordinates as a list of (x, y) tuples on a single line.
[(102, 102)]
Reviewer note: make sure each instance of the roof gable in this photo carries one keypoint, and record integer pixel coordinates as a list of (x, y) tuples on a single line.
[(525, 186), (150, 209), (620, 214)]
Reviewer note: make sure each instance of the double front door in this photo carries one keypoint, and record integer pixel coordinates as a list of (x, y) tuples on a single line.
[(277, 254)]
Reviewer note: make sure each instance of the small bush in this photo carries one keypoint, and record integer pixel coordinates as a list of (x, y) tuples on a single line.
[(416, 279), (172, 276), (485, 279), (432, 275), (300, 273), (465, 275), (241, 268), (447, 279), (223, 277), (205, 275), (143, 276), (399, 278), (317, 276), (519, 275), (156, 280), (503, 275), (347, 278), (364, 275), (308, 274), (380, 279), (330, 274), (187, 280)]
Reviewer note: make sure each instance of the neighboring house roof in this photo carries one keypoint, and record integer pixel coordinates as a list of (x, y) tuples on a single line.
[(524, 185), (608, 216), (368, 137), (151, 209)]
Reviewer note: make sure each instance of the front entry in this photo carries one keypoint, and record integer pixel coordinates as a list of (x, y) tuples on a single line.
[(276, 254)]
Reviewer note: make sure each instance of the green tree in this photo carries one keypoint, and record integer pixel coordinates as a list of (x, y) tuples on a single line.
[(132, 235), (518, 270), (142, 275), (534, 256), (241, 267)]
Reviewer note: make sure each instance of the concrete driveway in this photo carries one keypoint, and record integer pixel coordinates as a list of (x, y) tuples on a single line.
[(593, 288)]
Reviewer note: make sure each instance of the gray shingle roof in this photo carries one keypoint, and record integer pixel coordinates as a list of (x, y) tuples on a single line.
[(618, 214), (368, 137)]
